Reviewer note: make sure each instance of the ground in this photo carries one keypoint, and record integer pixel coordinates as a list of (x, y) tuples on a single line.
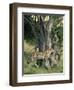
[(29, 68)]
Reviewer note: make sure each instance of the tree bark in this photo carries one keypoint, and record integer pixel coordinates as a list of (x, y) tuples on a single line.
[(45, 32)]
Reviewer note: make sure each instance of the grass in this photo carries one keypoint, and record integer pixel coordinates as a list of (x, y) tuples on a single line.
[(29, 67)]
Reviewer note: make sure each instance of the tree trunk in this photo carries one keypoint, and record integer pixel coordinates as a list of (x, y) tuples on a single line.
[(45, 34), (48, 35)]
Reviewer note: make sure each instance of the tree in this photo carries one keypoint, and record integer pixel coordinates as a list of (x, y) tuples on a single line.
[(45, 29)]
